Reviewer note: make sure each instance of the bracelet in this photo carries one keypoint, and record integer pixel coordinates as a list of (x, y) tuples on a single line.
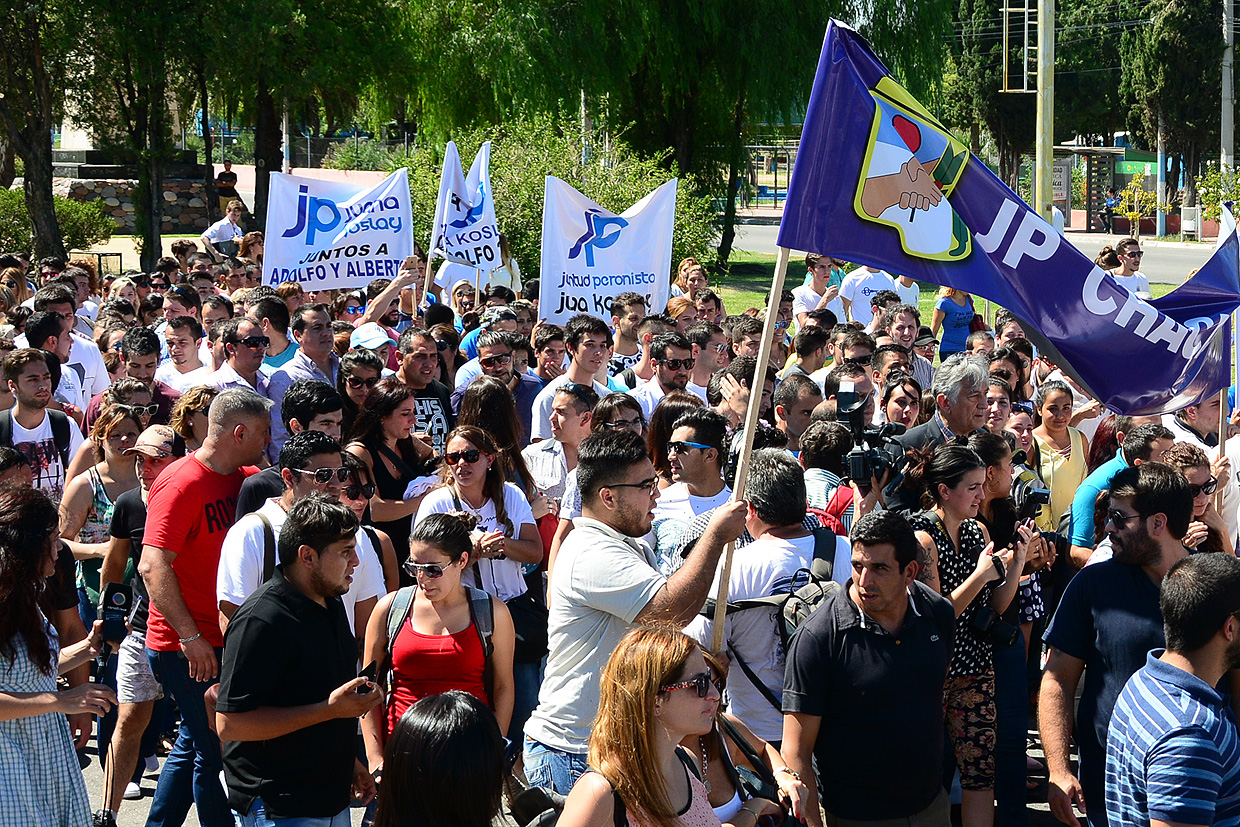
[(191, 639), (789, 771)]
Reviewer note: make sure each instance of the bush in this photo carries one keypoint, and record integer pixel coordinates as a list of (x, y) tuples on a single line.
[(1217, 186), (82, 224), (524, 152), (365, 154)]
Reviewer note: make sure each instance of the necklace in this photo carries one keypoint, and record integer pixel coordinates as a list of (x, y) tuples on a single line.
[(705, 779)]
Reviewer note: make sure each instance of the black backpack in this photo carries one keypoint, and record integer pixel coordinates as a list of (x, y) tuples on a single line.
[(60, 433)]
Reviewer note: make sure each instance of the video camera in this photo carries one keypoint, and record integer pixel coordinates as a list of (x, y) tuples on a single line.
[(1029, 493), (867, 460)]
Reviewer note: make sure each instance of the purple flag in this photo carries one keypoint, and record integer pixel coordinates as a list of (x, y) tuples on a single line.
[(879, 181)]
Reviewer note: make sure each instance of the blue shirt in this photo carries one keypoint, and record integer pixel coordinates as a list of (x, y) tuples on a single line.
[(469, 344), (956, 320), (1087, 495), (1172, 753), (299, 367)]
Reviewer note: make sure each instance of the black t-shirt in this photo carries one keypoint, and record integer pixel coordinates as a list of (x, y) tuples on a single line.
[(880, 697), (129, 523), (282, 649), (435, 417), (257, 489), (226, 184)]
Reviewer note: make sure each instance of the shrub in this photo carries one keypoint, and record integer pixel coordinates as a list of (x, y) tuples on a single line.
[(1217, 186), (82, 224)]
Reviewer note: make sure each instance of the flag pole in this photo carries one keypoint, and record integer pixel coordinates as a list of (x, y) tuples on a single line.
[(430, 279), (751, 423), (1222, 413), (477, 288)]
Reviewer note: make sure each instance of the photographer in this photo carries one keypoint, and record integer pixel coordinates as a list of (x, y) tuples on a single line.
[(973, 575)]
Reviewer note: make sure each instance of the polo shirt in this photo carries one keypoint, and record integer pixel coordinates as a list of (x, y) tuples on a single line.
[(1087, 494), (1109, 618), (1173, 753), (283, 649), (880, 697)]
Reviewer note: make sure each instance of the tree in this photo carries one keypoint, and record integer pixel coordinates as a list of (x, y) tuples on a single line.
[(1087, 67), (32, 52)]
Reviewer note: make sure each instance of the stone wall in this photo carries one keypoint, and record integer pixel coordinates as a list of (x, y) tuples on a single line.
[(185, 210)]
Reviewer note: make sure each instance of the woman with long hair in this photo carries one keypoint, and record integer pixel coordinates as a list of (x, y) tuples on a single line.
[(11, 279), (444, 765), (126, 392), (355, 495), (42, 781), (123, 288), (953, 312), (1207, 531), (448, 346), (901, 400), (659, 430), (251, 248), (1059, 451), (439, 646), (382, 437), (689, 279), (973, 575), (684, 311), (656, 692), (360, 370), (189, 415), (488, 404), (508, 274), (1105, 444)]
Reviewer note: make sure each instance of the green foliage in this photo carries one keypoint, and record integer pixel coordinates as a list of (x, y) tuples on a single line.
[(1217, 185), (524, 151), (82, 223), (1135, 203), (365, 154)]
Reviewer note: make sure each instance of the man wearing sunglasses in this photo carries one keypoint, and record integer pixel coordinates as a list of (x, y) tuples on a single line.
[(672, 357), (310, 463), (696, 455), (245, 347), (1107, 620), (604, 583), (650, 327), (308, 405), (495, 358), (1129, 274), (710, 354)]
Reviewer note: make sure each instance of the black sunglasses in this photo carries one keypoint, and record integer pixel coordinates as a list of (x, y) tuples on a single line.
[(471, 456), (356, 382), (324, 475), (360, 491), (255, 342), (701, 682), (677, 364), (441, 345), (1207, 487)]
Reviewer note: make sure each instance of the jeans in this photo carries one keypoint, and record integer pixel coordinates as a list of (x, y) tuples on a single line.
[(257, 817), (526, 681), (1011, 730), (552, 768), (191, 774)]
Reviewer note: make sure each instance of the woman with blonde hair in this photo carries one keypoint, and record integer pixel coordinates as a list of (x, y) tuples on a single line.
[(189, 415), (953, 312), (123, 288), (684, 311), (12, 280), (656, 691)]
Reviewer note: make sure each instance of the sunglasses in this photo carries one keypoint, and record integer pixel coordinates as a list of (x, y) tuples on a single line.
[(143, 410), (682, 447), (205, 410), (324, 475), (353, 310), (142, 282), (471, 456), (677, 364), (1207, 487), (720, 348), (361, 491), (255, 342), (701, 682), (1136, 254), (441, 345), (356, 382), (1120, 518), (492, 361), (159, 285), (433, 571)]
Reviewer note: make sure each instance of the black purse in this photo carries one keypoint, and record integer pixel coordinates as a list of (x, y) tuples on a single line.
[(759, 783), (529, 622)]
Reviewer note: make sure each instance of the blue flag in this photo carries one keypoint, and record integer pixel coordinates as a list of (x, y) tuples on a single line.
[(879, 181)]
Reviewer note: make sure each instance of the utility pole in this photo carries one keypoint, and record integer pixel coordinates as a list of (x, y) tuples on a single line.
[(1160, 223), (1044, 152), (1229, 93)]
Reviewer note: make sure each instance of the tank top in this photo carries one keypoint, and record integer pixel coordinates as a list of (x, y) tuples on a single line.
[(96, 529), (1062, 475), (393, 488), (424, 665), (699, 813)]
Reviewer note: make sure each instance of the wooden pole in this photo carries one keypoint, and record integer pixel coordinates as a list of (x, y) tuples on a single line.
[(430, 279), (751, 423), (477, 290)]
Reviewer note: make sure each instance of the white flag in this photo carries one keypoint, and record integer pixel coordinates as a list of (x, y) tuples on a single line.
[(591, 255), (331, 234), (465, 230)]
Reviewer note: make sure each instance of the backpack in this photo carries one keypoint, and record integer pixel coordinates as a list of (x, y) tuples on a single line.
[(60, 433), (269, 546), (792, 608), (480, 613), (837, 506)]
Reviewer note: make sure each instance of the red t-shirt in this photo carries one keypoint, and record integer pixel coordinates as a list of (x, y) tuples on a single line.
[(188, 512)]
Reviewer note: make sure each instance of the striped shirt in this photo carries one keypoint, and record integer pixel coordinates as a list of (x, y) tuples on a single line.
[(1172, 751)]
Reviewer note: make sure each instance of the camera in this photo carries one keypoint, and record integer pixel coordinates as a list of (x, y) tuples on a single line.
[(867, 460), (991, 629), (1029, 493)]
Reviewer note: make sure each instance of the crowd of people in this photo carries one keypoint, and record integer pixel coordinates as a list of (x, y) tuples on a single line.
[(385, 548)]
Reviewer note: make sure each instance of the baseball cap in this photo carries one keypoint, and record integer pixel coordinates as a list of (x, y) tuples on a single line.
[(157, 441), (497, 314), (924, 337), (369, 336)]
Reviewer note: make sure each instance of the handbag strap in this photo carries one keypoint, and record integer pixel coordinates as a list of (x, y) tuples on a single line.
[(751, 754)]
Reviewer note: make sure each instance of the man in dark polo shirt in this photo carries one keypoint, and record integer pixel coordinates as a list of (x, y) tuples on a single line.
[(863, 691), (289, 699)]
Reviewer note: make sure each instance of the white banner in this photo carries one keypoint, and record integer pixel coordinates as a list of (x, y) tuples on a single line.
[(331, 234), (465, 230), (590, 255)]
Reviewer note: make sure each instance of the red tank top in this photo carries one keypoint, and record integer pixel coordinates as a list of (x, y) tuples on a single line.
[(424, 665)]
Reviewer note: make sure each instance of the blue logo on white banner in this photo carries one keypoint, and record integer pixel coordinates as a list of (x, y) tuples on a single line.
[(586, 265), (332, 234)]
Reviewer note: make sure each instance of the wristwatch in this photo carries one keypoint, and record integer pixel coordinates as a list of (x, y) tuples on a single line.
[(788, 770)]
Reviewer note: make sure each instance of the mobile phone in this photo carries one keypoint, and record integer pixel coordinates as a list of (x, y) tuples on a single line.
[(369, 674)]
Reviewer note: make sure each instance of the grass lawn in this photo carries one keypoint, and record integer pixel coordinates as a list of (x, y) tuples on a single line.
[(749, 283)]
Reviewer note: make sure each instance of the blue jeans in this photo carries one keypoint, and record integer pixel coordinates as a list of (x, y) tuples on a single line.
[(526, 681), (1011, 729), (191, 774), (257, 817), (552, 768)]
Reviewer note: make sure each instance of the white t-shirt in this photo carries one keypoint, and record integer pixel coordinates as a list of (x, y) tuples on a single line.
[(240, 572), (70, 388), (181, 382), (222, 230), (765, 567), (909, 295), (647, 395), (87, 362), (859, 287), (39, 447), (805, 299), (697, 390), (1136, 283), (541, 427), (502, 578), (673, 512)]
